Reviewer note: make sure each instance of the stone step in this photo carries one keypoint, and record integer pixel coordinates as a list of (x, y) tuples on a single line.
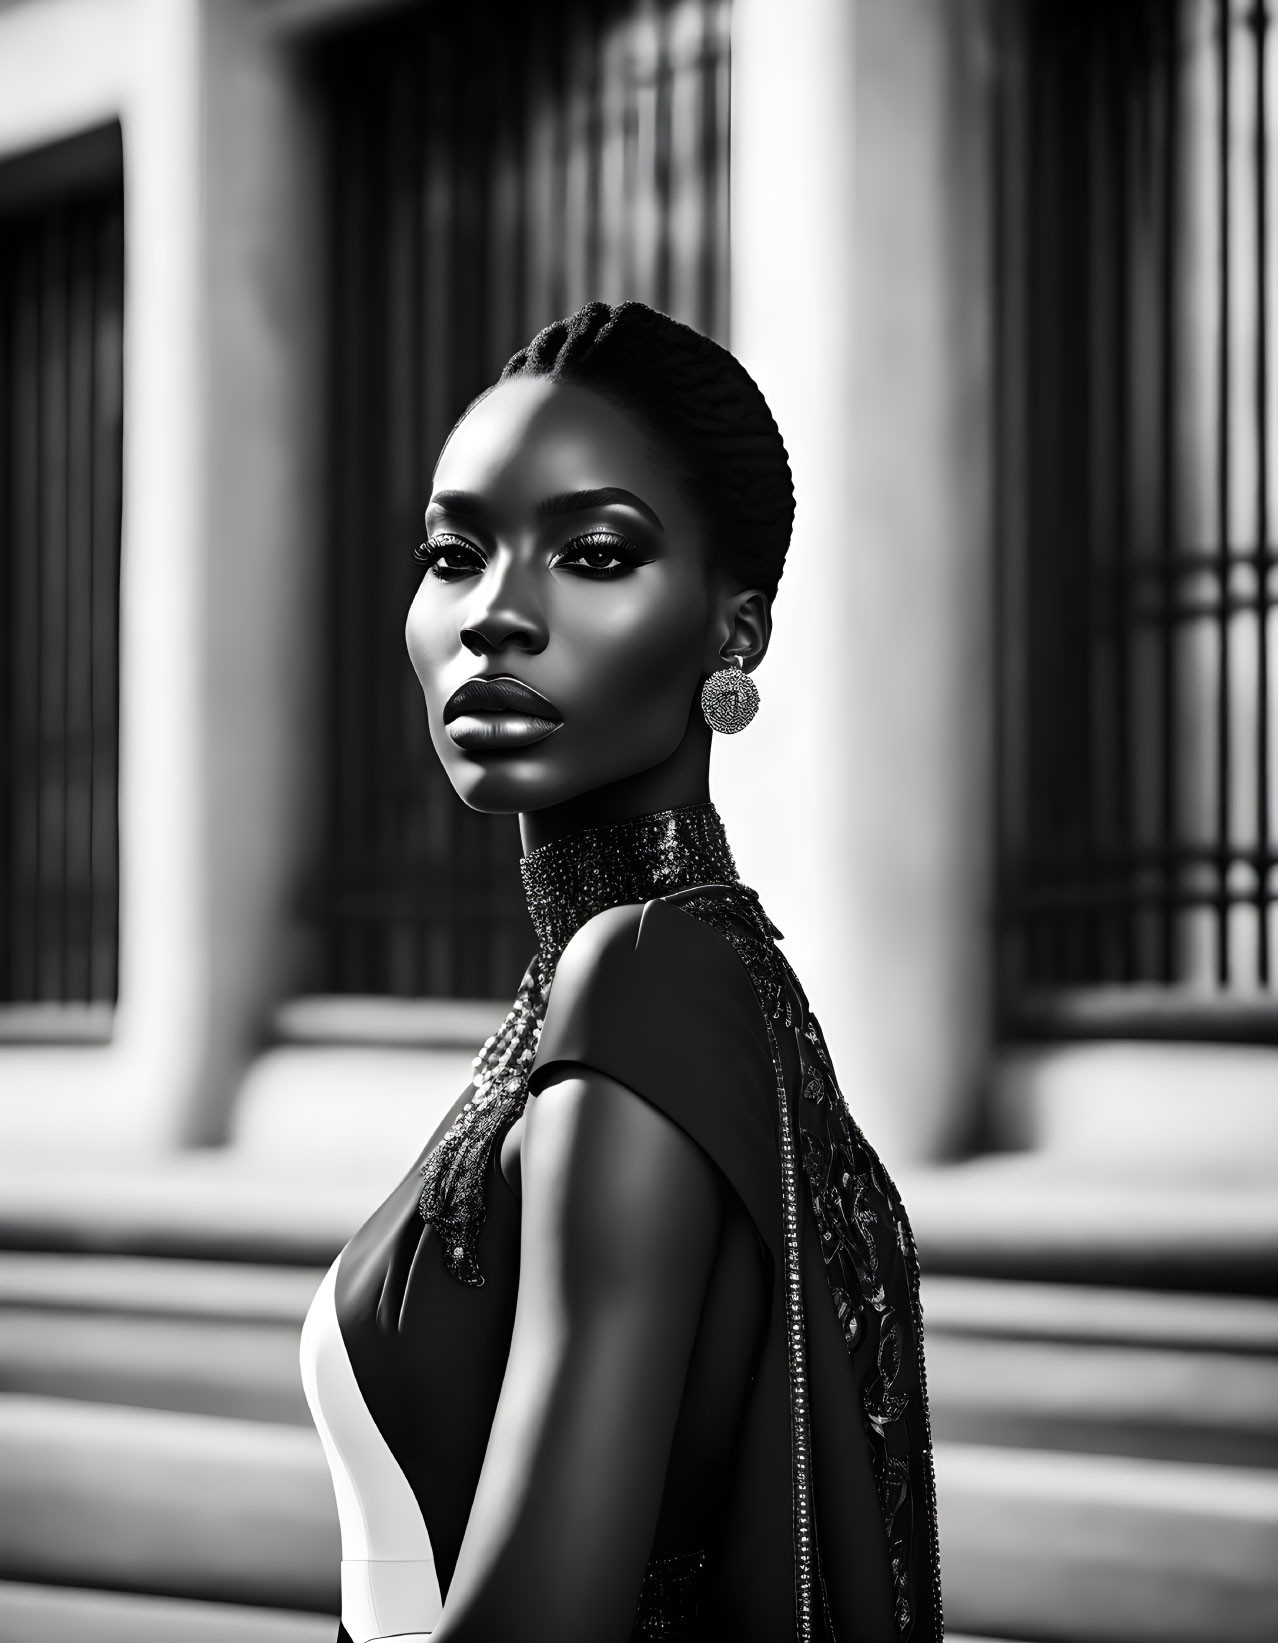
[(202, 1205), (1157, 1403), (1061, 1366), (1036, 1544), (62, 1614), (214, 1338), (1024, 1216), (161, 1287), (1090, 1548), (177, 1505), (1075, 1312), (203, 1366)]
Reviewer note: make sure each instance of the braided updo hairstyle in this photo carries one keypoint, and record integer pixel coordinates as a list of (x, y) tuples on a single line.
[(704, 409)]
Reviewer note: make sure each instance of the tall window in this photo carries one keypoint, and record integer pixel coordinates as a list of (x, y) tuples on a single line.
[(1137, 632), (61, 408), (491, 167)]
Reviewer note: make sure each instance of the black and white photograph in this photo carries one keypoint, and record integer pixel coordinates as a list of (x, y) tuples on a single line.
[(638, 821)]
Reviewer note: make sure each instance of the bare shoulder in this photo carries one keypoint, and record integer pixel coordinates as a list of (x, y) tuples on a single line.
[(659, 924), (615, 1182)]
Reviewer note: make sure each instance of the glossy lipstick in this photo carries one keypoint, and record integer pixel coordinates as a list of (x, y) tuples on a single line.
[(491, 715)]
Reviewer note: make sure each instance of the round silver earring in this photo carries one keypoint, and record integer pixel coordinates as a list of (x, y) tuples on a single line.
[(730, 699)]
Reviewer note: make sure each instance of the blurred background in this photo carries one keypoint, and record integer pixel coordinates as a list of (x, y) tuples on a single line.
[(1005, 271)]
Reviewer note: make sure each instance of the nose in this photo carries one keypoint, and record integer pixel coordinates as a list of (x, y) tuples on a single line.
[(505, 614)]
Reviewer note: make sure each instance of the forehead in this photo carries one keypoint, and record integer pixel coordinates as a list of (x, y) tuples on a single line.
[(532, 437)]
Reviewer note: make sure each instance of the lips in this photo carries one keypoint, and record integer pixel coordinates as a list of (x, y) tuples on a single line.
[(493, 714)]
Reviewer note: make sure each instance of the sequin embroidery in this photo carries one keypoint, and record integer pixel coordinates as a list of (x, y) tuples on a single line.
[(669, 1606)]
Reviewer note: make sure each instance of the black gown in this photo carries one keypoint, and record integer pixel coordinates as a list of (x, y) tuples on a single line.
[(799, 1500)]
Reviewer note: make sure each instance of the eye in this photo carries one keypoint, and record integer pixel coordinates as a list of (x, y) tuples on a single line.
[(599, 555), (449, 558)]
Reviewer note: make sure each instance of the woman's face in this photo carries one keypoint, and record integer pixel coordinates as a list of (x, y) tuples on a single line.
[(563, 625)]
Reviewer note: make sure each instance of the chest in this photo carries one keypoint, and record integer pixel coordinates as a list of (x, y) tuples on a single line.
[(428, 1353)]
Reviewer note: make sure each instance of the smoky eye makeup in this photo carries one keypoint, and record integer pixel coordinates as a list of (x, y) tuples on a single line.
[(595, 550), (600, 555), (448, 557)]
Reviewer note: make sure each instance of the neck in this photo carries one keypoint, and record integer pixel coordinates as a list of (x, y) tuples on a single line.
[(682, 779), (620, 864)]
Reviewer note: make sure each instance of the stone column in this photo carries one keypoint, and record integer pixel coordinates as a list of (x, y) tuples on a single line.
[(261, 567), (219, 568), (66, 66), (858, 800)]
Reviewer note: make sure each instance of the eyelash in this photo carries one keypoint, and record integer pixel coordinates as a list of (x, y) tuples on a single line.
[(431, 554), (626, 553)]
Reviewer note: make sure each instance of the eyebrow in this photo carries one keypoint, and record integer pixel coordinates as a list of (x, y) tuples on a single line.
[(552, 507), (460, 502)]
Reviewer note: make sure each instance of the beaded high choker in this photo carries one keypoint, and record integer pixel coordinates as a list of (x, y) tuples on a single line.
[(566, 883)]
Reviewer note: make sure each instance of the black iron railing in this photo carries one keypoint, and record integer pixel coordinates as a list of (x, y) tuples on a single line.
[(1135, 591), (491, 167), (61, 410)]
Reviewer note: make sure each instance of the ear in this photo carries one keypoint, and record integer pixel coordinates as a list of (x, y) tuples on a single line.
[(742, 626)]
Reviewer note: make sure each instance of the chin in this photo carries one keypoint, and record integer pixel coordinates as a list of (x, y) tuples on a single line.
[(504, 784), (492, 791)]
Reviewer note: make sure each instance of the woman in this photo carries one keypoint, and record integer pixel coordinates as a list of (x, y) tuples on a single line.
[(633, 1350)]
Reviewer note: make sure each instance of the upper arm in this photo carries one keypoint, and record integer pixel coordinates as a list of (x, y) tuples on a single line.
[(621, 1220)]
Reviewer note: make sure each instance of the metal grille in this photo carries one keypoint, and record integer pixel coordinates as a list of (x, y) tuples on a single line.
[(1135, 591), (61, 408), (492, 167)]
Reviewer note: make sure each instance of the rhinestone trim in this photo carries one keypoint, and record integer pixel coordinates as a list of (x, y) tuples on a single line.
[(796, 1356)]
